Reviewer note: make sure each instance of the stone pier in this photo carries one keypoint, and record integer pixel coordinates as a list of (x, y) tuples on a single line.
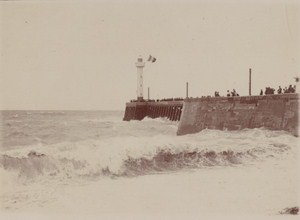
[(139, 110), (273, 112)]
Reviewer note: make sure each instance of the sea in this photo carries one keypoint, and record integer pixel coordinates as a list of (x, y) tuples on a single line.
[(94, 163)]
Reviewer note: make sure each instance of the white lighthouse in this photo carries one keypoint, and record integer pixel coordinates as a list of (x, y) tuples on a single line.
[(140, 65)]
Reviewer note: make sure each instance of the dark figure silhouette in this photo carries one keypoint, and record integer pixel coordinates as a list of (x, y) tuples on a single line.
[(272, 91), (279, 90), (269, 91), (261, 92), (228, 93), (290, 89), (233, 93), (217, 94)]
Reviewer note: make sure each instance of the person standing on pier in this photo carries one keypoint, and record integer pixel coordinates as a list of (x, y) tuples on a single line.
[(261, 92), (279, 90)]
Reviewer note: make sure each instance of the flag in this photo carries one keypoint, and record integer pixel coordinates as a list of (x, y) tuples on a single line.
[(151, 59)]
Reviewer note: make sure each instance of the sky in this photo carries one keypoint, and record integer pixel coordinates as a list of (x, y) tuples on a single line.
[(80, 55)]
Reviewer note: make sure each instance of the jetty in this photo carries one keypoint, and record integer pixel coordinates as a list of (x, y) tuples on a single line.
[(273, 112), (158, 109)]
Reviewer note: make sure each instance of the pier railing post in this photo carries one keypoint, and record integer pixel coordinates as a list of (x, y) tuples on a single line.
[(250, 82), (187, 89)]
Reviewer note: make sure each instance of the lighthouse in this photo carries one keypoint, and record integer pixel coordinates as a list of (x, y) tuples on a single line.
[(140, 65)]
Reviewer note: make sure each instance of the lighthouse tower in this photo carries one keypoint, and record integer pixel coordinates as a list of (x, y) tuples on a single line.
[(140, 65)]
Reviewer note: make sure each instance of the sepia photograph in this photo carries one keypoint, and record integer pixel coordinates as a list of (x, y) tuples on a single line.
[(149, 109)]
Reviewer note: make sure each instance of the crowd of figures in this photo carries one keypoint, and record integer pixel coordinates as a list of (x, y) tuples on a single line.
[(269, 90), (232, 93), (158, 100)]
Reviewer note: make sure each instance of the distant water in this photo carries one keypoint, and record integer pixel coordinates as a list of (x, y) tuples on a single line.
[(43, 148)]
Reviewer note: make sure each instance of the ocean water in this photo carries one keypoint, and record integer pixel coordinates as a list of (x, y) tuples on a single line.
[(93, 162)]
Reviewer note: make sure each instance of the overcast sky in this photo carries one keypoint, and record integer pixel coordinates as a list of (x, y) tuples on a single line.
[(81, 55)]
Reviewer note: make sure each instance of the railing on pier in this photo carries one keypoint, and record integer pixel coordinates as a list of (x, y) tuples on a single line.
[(139, 110)]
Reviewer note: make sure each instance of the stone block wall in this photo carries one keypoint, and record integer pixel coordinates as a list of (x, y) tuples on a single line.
[(274, 112)]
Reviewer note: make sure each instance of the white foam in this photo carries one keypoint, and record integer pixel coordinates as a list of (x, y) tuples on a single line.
[(68, 170)]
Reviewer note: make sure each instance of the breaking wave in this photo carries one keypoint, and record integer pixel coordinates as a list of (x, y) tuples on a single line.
[(133, 156), (164, 160)]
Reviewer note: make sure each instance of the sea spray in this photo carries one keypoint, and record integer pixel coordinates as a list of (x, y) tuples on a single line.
[(67, 153), (119, 156)]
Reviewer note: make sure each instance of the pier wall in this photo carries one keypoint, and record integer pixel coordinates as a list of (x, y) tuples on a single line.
[(274, 112), (139, 110)]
